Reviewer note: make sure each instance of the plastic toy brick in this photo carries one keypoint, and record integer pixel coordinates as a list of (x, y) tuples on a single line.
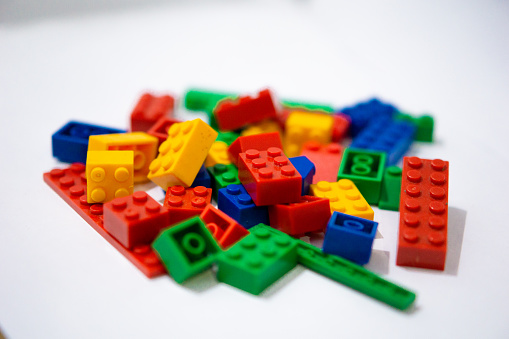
[(265, 126), (70, 143), (326, 159), (306, 170), (143, 145), (202, 178), (222, 176), (350, 237), (259, 142), (269, 177), (110, 175), (182, 154), (423, 213), (365, 168), (353, 276), (297, 105), (71, 185), (365, 112), (227, 137), (184, 203), (258, 260), (304, 126), (234, 114), (237, 203), (224, 229), (149, 109), (340, 127), (310, 214), (201, 100), (424, 123), (344, 197), (160, 129), (391, 189), (386, 135), (135, 220), (186, 249), (218, 154)]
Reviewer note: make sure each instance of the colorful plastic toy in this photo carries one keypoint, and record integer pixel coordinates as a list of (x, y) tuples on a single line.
[(184, 203), (109, 174), (425, 125), (144, 147), (218, 154), (423, 213), (202, 178), (186, 249), (135, 220), (70, 143), (269, 177), (237, 203), (265, 126), (350, 237), (310, 214), (257, 261), (365, 168), (340, 127), (363, 113), (224, 229), (71, 185), (222, 176), (302, 126), (259, 142), (149, 109), (391, 189), (344, 197), (306, 170), (182, 154), (160, 129), (326, 159)]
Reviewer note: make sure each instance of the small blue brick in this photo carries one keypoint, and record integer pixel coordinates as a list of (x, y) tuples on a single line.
[(236, 202), (202, 178), (70, 143), (306, 169), (350, 237), (387, 135), (363, 113)]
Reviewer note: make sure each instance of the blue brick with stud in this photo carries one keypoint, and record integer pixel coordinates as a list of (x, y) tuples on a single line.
[(236, 202), (363, 113)]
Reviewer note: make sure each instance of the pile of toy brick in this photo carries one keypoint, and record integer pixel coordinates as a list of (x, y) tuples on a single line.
[(277, 172)]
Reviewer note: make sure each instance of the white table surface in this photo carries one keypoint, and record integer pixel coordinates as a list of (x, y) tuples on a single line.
[(60, 279)]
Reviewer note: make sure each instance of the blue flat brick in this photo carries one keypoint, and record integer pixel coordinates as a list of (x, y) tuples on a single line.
[(70, 143), (363, 113), (236, 202), (350, 237), (386, 135), (306, 169)]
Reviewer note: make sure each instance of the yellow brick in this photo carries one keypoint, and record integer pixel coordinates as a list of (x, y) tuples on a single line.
[(182, 154), (301, 127), (344, 197), (143, 145), (218, 154), (109, 175), (266, 126)]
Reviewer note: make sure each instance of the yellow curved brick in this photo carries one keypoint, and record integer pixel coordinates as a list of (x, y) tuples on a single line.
[(218, 154), (344, 197), (142, 144), (109, 175), (301, 127), (182, 154)]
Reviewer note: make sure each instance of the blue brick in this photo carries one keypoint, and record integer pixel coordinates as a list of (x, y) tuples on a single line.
[(202, 178), (387, 135), (364, 112), (70, 143), (236, 202), (306, 169), (350, 237)]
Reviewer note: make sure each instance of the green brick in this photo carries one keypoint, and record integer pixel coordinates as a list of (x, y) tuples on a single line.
[(354, 276), (227, 137), (186, 249), (425, 125), (391, 189), (201, 100), (365, 168), (308, 106), (222, 176), (258, 260)]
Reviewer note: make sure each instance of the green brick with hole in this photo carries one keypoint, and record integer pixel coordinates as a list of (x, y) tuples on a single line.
[(258, 260), (186, 249), (365, 168)]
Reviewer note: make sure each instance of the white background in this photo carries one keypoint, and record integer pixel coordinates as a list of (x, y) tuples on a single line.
[(60, 279)]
